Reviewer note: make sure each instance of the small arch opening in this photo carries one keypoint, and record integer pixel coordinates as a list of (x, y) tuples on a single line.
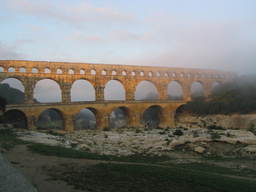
[(119, 118), (178, 116), (85, 119), (47, 70), (93, 72), (124, 73), (34, 70), (82, 71), (71, 72), (50, 119), (16, 118), (22, 70), (11, 69), (114, 72), (59, 71), (104, 72), (152, 117)]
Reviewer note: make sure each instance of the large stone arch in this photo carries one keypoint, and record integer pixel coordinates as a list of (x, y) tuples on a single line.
[(146, 90), (51, 118), (119, 117), (17, 80), (17, 118), (86, 118), (215, 85), (13, 90), (114, 90), (90, 80), (82, 90), (175, 90), (152, 116), (197, 90), (49, 93)]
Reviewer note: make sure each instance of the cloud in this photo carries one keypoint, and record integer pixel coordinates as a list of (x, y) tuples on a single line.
[(75, 14), (199, 45), (83, 37), (125, 35), (163, 39), (9, 51)]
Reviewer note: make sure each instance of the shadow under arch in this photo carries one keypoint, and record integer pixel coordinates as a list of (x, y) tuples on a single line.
[(86, 118), (119, 117), (146, 90), (151, 117), (47, 91), (177, 114), (17, 118), (82, 90), (51, 118)]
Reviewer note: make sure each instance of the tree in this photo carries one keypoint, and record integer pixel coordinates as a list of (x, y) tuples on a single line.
[(2, 104), (238, 96), (2, 107)]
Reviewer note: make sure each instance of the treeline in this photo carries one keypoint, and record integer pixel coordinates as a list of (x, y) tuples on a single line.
[(238, 96)]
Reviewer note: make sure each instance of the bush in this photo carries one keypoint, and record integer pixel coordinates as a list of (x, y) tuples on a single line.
[(215, 127), (252, 129), (215, 135), (178, 132)]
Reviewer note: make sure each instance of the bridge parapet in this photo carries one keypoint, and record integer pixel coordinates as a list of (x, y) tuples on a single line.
[(65, 74)]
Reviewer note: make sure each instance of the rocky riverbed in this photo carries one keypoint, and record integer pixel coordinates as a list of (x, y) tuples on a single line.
[(124, 142)]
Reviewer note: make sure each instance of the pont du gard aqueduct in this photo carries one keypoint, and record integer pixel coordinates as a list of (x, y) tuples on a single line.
[(29, 73)]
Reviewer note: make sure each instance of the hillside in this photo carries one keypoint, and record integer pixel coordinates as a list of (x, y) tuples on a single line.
[(238, 96), (11, 95)]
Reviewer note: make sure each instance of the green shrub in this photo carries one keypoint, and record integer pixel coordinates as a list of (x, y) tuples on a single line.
[(178, 132)]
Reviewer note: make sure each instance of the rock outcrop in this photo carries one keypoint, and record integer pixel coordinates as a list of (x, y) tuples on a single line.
[(234, 121), (158, 142)]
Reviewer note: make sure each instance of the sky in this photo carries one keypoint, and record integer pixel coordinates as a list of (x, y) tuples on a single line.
[(215, 34)]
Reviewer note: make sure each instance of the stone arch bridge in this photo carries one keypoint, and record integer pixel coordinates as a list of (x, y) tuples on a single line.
[(65, 74)]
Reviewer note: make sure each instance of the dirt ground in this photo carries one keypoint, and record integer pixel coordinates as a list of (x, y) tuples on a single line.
[(36, 167)]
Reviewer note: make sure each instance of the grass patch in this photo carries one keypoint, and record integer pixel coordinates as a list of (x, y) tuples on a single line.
[(72, 153), (8, 139), (206, 167), (142, 178)]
